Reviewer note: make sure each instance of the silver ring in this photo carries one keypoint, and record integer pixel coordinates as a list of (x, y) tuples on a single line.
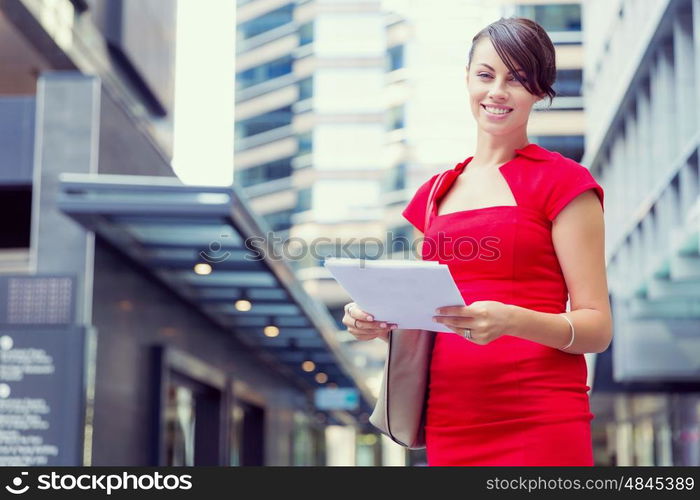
[(467, 333), (356, 323)]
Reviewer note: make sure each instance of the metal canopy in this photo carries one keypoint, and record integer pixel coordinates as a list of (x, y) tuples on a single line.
[(169, 228)]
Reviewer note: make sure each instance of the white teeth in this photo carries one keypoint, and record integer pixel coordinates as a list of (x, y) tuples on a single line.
[(497, 111)]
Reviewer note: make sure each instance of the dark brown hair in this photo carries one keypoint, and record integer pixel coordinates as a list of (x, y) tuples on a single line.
[(521, 42)]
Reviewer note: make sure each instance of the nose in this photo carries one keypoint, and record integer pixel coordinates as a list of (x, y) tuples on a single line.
[(497, 91)]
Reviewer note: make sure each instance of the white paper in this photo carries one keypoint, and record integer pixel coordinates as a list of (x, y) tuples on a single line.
[(405, 292)]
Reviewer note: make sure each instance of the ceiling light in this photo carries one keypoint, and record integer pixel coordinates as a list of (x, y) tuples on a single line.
[(202, 269)]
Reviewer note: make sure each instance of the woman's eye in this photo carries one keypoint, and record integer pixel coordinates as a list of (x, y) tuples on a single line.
[(486, 75)]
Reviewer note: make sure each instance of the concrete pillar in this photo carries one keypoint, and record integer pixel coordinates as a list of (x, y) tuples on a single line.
[(684, 70), (340, 445), (67, 140)]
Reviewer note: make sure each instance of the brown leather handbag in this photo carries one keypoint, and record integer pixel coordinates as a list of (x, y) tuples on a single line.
[(400, 409)]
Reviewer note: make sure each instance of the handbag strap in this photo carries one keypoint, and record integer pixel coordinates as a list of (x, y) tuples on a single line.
[(431, 198)]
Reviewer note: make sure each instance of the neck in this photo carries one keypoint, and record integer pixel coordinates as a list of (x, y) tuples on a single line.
[(496, 150)]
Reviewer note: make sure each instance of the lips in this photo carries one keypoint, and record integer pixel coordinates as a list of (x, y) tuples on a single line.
[(497, 107)]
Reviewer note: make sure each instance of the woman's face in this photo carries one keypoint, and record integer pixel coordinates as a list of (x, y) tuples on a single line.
[(490, 83)]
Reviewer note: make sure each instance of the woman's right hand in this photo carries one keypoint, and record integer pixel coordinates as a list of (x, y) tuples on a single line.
[(363, 326)]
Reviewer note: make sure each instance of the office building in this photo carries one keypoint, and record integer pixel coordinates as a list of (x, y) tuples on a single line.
[(139, 326), (640, 93)]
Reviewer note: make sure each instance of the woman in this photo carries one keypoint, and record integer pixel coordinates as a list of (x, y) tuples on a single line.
[(521, 229)]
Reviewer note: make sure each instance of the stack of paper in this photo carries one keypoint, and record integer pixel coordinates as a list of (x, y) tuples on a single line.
[(405, 292)]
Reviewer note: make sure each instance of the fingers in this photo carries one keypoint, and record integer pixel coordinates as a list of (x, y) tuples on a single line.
[(354, 322), (355, 312), (366, 325), (356, 318), (455, 321), (363, 329), (356, 326)]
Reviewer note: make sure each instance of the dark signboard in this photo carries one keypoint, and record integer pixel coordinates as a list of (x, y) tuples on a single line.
[(42, 375)]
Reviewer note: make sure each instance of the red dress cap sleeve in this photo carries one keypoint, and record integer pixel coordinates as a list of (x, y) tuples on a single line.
[(568, 180), (415, 210)]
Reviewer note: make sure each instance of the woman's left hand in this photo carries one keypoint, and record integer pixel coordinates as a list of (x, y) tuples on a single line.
[(487, 320)]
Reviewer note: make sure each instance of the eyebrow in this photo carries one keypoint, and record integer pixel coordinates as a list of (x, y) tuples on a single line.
[(489, 67)]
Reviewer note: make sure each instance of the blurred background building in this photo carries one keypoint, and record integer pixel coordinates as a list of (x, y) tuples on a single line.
[(342, 109), (561, 126), (137, 325), (641, 92)]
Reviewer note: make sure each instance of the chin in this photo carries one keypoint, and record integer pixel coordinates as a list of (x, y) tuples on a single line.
[(498, 131)]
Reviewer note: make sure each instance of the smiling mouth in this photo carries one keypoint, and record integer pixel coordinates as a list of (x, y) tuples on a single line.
[(497, 114)]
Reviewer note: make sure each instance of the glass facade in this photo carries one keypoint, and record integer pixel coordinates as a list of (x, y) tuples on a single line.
[(652, 429), (268, 71), (401, 239), (306, 88), (395, 179), (557, 17), (306, 442), (247, 447), (180, 414), (304, 199), (266, 22), (395, 57), (306, 33), (368, 451), (571, 146), (395, 118), (305, 143), (258, 124), (569, 82), (280, 221), (190, 414), (258, 174)]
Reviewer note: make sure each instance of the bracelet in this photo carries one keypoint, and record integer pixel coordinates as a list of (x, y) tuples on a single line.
[(573, 334)]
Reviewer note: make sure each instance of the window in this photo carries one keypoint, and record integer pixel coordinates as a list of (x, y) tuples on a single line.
[(570, 146), (395, 58), (247, 434), (189, 411), (395, 179), (277, 169), (179, 426), (279, 221), (306, 88), (306, 33), (305, 143), (266, 22), (304, 199), (395, 118), (401, 238), (568, 83), (262, 123), (557, 17), (264, 72), (303, 441)]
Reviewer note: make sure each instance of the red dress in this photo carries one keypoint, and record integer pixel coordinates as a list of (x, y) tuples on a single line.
[(512, 401)]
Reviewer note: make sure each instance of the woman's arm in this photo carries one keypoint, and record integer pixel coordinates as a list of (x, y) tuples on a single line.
[(578, 234)]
